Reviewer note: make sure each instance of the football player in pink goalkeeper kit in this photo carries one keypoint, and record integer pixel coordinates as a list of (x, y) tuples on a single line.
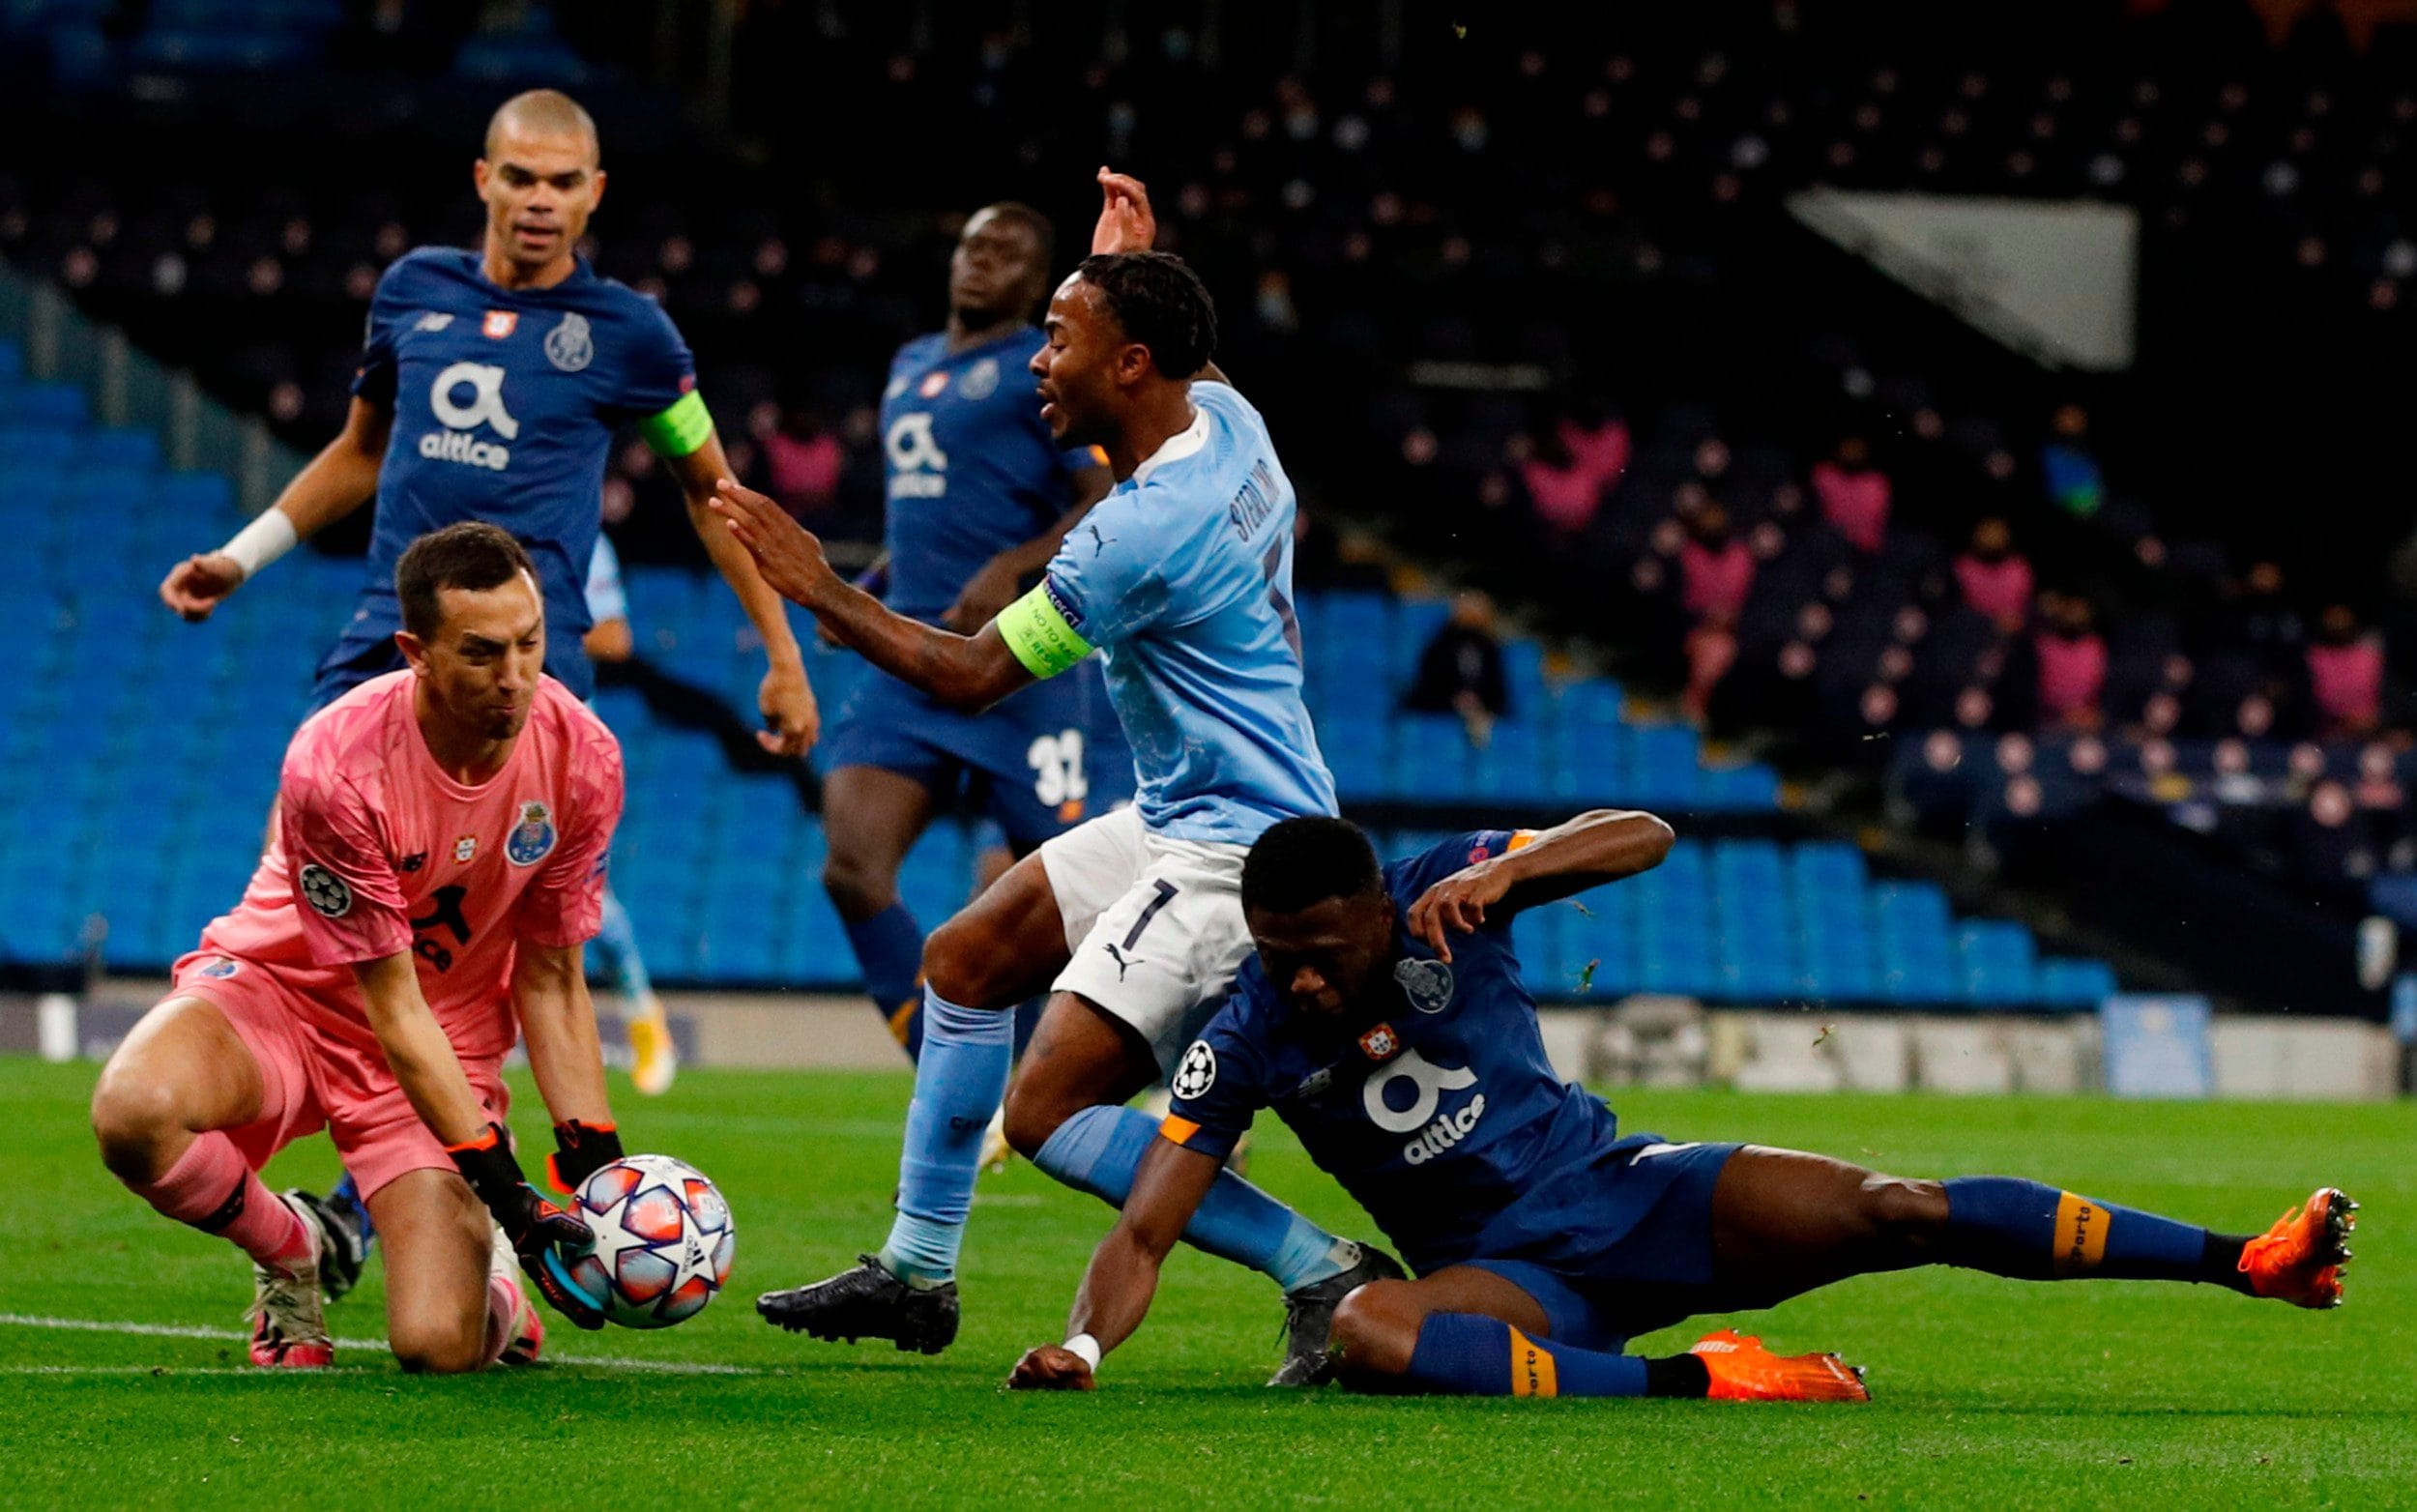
[(439, 861)]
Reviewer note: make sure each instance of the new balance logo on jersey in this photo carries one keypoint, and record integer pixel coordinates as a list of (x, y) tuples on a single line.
[(918, 468), (464, 397)]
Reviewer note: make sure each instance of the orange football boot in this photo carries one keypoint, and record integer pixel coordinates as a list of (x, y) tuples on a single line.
[(1744, 1371), (2300, 1258)]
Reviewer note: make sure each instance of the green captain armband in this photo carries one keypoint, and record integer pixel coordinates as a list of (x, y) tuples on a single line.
[(1036, 631), (680, 429)]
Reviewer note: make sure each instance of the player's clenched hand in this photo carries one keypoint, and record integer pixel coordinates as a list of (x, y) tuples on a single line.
[(793, 720), (1126, 222), (197, 585), (785, 552), (985, 593), (1051, 1368), (549, 1240), (1456, 905), (545, 1238)]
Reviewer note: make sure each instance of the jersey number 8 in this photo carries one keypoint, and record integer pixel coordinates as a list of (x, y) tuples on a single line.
[(1057, 763)]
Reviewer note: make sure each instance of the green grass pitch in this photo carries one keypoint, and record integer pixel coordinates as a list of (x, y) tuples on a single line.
[(1988, 1393)]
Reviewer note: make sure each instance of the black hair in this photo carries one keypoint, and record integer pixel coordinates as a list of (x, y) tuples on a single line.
[(473, 555), (1161, 304), (1302, 862), (1017, 212)]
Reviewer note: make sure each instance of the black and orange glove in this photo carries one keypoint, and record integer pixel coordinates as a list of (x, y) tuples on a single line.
[(580, 1152), (546, 1238)]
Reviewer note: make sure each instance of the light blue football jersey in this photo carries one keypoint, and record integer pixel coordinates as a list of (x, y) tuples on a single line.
[(1182, 579)]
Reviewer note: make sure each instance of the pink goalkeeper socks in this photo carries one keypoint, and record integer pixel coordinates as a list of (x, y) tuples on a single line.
[(503, 1309), (211, 1187)]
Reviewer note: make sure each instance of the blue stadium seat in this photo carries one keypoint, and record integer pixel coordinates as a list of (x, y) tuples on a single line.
[(29, 446), (1997, 963), (2067, 982), (1513, 766), (1414, 624), (1522, 678), (46, 406), (1536, 939), (1595, 700), (1666, 763), (1431, 759), (1751, 788)]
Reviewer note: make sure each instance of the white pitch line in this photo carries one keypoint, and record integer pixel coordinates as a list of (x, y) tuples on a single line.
[(189, 1331), (165, 1370)]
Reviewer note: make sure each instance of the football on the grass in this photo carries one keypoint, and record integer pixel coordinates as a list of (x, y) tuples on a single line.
[(663, 1241)]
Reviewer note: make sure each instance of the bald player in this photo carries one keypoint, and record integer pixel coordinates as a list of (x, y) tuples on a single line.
[(491, 387)]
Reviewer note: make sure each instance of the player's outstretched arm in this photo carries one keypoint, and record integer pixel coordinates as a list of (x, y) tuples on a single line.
[(1602, 845), (341, 478), (793, 718), (1124, 1271), (968, 671)]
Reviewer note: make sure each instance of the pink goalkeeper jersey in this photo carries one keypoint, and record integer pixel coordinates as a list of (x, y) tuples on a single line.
[(379, 851)]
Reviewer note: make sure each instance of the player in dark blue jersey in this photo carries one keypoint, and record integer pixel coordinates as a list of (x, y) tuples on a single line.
[(1384, 1021), (491, 385), (979, 496)]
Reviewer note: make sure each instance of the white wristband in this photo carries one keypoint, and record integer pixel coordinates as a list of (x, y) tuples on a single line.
[(268, 537), (1086, 1347)]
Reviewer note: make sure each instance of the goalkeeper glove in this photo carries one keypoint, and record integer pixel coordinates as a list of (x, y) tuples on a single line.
[(580, 1152), (545, 1237)]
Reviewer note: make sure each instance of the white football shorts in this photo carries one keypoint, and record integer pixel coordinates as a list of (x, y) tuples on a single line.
[(1155, 924)]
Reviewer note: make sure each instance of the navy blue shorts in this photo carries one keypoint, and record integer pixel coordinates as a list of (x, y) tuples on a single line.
[(1040, 763), (1655, 1274)]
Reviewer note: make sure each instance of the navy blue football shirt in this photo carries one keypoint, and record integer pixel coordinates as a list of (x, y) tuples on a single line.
[(1446, 1119), (506, 405), (972, 468)]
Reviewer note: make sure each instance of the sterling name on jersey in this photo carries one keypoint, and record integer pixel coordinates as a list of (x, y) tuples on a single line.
[(506, 404), (1445, 1118), (973, 470), (1182, 579)]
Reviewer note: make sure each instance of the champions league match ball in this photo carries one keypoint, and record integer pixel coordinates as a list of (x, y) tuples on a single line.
[(663, 1241)]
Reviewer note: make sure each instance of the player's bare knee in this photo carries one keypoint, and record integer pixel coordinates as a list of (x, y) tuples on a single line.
[(435, 1347), (1374, 1334), (133, 1115), (1901, 1212), (858, 890), (1032, 1112), (961, 963)]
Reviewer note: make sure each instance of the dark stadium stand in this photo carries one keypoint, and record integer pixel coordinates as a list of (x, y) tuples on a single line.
[(1573, 314)]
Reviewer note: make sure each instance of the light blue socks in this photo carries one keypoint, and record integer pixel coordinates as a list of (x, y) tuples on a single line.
[(1099, 1149), (959, 1083)]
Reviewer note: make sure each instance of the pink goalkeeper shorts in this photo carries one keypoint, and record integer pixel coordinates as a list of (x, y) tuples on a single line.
[(310, 1080)]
